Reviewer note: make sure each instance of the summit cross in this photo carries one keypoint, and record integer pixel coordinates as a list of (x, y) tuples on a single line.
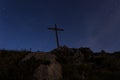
[(56, 32)]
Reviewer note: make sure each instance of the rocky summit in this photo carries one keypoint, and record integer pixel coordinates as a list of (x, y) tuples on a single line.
[(62, 63)]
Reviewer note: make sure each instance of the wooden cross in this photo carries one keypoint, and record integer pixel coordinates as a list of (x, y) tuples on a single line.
[(56, 32)]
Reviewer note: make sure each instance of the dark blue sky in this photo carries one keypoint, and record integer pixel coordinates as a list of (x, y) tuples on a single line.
[(87, 23)]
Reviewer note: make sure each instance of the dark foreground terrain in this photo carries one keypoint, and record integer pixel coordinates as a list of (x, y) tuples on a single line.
[(60, 64)]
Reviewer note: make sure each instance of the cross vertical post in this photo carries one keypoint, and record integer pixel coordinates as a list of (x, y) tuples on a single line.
[(56, 32)]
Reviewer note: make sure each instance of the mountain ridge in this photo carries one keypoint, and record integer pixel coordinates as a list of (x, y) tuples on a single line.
[(62, 63)]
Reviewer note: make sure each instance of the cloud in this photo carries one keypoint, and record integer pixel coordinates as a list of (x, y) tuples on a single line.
[(102, 26)]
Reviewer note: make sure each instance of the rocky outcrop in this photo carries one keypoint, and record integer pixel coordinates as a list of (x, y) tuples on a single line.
[(62, 63), (48, 68)]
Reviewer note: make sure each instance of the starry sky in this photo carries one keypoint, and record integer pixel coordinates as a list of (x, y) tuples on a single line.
[(86, 23)]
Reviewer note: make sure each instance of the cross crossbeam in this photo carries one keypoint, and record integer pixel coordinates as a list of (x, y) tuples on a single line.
[(56, 32)]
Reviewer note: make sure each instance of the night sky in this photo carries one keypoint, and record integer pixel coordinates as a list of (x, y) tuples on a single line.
[(86, 23)]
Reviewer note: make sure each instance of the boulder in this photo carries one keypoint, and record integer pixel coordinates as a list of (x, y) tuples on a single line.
[(48, 68)]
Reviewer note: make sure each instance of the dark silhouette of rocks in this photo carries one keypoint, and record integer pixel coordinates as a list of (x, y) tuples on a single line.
[(62, 63)]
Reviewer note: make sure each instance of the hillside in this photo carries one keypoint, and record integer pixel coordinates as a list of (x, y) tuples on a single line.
[(59, 64)]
